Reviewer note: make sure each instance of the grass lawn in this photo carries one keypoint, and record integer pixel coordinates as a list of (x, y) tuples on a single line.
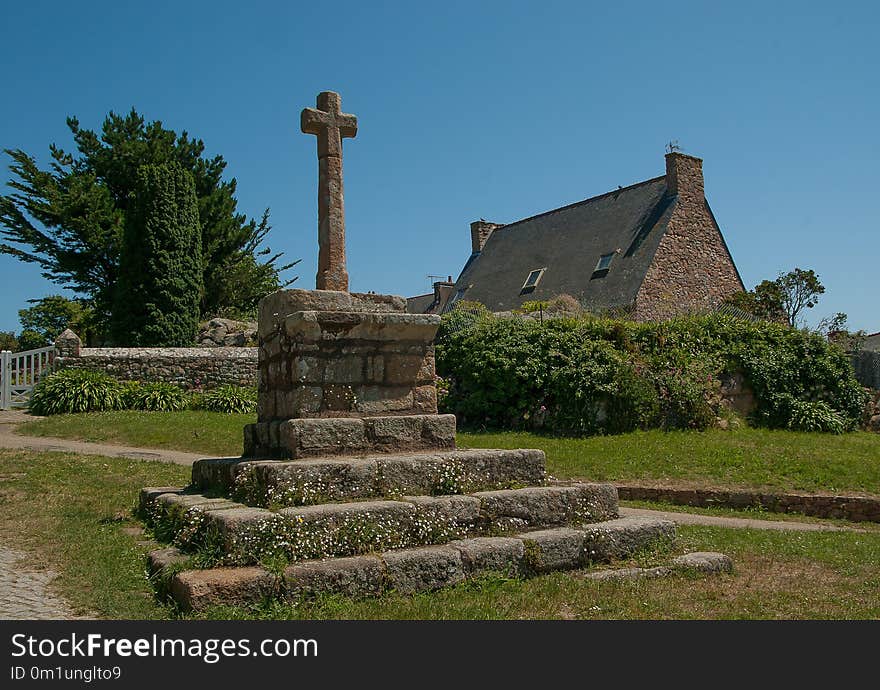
[(743, 458), (757, 458), (211, 433), (70, 513)]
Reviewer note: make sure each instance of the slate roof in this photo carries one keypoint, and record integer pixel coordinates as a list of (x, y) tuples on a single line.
[(872, 342), (568, 242), (420, 303)]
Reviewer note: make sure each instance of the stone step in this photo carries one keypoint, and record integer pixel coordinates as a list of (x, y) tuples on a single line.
[(424, 568), (309, 437), (247, 534), (321, 480)]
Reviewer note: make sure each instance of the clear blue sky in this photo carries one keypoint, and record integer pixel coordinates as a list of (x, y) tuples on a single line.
[(494, 110)]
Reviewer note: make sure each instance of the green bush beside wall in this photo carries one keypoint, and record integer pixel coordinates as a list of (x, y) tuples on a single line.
[(592, 375)]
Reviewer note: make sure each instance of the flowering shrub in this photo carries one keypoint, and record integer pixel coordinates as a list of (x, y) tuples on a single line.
[(591, 375)]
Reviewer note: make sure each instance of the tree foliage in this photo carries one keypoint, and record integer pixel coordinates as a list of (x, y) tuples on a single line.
[(8, 341), (69, 219), (782, 299), (800, 290), (160, 271), (42, 323)]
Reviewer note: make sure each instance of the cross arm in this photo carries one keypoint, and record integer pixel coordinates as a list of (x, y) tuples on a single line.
[(312, 120), (348, 125)]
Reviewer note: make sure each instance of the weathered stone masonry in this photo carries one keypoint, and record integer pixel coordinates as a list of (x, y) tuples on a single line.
[(692, 268), (188, 367), (335, 354)]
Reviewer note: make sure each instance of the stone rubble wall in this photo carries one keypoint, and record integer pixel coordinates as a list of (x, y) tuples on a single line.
[(188, 367), (829, 506)]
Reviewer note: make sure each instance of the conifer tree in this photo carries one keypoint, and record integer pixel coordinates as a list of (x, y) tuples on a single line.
[(160, 268)]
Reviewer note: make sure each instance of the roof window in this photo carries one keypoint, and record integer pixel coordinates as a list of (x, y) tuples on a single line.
[(604, 262), (532, 280)]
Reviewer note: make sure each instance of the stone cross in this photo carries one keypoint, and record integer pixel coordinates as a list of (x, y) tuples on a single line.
[(330, 125)]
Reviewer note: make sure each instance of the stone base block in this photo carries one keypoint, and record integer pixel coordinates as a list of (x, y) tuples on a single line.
[(196, 590), (554, 549), (160, 559), (614, 539), (263, 482), (355, 527), (551, 505), (347, 364), (492, 554), (358, 576), (320, 437), (704, 562), (417, 569)]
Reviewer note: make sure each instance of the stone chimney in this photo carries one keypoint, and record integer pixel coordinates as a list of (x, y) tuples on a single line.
[(442, 292), (684, 177), (480, 231)]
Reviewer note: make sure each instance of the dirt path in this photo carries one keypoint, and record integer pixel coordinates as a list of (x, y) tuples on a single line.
[(736, 523), (9, 419)]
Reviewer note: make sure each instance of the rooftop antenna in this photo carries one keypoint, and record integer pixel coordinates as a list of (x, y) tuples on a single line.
[(433, 279), (673, 146)]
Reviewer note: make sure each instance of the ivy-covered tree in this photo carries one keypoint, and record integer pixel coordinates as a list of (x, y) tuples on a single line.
[(160, 268), (69, 219)]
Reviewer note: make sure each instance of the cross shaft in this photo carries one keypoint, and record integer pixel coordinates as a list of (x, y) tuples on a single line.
[(330, 125)]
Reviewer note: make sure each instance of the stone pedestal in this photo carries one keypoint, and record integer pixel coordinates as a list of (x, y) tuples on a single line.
[(335, 358), (363, 492)]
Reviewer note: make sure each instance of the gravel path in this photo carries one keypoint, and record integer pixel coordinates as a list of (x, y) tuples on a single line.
[(24, 593)]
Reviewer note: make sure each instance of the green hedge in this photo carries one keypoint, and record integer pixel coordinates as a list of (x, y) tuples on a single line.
[(606, 376)]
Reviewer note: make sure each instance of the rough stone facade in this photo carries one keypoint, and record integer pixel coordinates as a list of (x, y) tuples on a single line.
[(692, 269), (188, 367), (335, 354), (737, 395)]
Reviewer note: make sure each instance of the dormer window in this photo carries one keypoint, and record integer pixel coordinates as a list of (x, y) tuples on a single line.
[(532, 280), (604, 262)]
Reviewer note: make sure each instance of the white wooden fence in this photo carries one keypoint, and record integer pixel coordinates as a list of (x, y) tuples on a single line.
[(19, 372)]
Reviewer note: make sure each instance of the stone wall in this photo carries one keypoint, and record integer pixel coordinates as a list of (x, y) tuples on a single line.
[(833, 506), (692, 269), (188, 367)]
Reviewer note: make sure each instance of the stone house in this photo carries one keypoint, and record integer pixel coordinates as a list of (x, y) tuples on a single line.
[(651, 250), (872, 342)]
